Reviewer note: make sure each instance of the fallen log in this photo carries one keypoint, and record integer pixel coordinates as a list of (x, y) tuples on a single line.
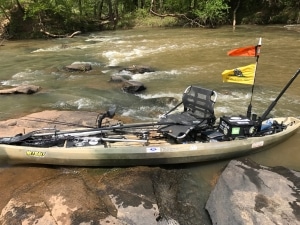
[(60, 35), (24, 89)]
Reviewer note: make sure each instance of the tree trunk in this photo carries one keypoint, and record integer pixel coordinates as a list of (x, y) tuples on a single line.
[(142, 4), (234, 14), (80, 7), (115, 14), (20, 7), (110, 9), (100, 7)]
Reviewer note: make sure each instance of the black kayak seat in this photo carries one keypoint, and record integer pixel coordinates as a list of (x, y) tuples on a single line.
[(198, 113)]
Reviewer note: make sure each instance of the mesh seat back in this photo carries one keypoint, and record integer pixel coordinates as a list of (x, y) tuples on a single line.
[(198, 102)]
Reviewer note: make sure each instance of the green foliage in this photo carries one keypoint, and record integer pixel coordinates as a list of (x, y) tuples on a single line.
[(63, 16), (141, 13), (45, 8), (142, 18), (212, 13), (127, 21), (179, 6)]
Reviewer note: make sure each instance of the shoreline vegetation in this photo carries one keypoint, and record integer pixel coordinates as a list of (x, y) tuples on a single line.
[(27, 19)]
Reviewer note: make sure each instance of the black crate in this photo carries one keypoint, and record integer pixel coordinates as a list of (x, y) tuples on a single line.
[(236, 126)]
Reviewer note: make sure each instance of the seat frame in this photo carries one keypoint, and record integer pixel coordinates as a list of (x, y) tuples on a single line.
[(197, 115)]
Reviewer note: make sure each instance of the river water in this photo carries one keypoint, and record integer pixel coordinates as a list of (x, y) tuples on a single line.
[(180, 57)]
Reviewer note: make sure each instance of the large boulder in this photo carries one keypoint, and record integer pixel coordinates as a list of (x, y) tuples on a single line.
[(23, 89), (248, 193)]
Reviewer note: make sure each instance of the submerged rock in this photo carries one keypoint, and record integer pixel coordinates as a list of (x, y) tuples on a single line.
[(117, 79), (129, 86), (78, 66), (248, 193), (138, 69), (132, 87)]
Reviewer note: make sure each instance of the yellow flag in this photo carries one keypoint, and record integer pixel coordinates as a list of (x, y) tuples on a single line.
[(242, 75)]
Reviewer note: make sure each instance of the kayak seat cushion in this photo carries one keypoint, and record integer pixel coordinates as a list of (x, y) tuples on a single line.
[(198, 113)]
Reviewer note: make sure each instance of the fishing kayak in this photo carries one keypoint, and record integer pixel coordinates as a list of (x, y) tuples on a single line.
[(88, 149)]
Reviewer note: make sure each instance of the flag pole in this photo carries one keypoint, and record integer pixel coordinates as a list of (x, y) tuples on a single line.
[(257, 52)]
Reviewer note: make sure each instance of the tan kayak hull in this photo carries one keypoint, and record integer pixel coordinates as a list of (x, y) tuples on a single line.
[(152, 154)]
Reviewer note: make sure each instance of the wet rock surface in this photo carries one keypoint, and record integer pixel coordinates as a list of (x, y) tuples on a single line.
[(248, 193)]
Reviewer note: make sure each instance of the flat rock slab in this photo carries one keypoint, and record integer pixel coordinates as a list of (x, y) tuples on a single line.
[(79, 196), (248, 193), (67, 196), (47, 119), (23, 89)]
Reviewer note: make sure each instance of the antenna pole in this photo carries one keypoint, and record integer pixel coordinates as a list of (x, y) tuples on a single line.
[(257, 52)]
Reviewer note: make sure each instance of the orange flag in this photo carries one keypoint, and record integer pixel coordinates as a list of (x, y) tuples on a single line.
[(245, 51)]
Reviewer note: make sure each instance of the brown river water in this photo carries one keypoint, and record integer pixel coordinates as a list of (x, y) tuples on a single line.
[(180, 57)]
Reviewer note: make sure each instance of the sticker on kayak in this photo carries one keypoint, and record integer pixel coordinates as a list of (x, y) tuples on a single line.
[(153, 149), (35, 153), (257, 144), (193, 147)]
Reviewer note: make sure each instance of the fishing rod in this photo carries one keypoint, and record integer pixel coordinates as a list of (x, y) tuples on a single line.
[(100, 130), (110, 114), (269, 109), (79, 133)]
